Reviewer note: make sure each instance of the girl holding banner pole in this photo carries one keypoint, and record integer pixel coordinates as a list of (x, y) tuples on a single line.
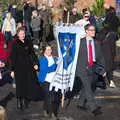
[(46, 73)]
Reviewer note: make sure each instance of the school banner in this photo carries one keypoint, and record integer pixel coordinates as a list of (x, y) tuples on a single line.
[(68, 41)]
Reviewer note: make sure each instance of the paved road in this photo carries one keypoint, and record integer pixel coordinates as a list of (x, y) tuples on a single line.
[(109, 99)]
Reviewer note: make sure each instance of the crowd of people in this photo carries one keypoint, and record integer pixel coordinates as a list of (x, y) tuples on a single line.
[(25, 31)]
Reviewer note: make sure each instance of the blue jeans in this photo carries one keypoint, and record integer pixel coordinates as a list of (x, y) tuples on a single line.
[(8, 37)]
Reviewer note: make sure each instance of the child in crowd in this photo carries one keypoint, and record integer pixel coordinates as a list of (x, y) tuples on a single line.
[(48, 65), (4, 74), (35, 25), (19, 25), (9, 27)]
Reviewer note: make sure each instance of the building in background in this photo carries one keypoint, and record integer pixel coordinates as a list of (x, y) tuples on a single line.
[(80, 4)]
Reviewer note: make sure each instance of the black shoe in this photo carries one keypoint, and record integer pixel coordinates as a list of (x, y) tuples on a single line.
[(26, 103), (82, 107), (19, 104), (97, 111)]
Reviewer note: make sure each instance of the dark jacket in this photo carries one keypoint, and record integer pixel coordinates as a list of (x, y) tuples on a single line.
[(35, 23), (28, 12), (82, 62), (107, 40), (75, 18), (112, 21)]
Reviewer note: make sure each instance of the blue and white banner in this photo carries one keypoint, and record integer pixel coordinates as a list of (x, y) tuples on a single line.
[(118, 1), (68, 41)]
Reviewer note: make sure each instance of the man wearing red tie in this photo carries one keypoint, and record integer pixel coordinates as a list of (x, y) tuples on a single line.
[(89, 54)]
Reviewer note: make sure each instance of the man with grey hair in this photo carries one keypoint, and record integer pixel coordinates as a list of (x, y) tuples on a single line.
[(74, 16)]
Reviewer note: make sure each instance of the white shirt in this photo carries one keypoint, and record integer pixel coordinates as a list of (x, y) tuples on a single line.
[(82, 23), (50, 76), (93, 48)]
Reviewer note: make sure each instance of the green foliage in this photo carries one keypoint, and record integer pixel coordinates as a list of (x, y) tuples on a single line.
[(5, 3), (1, 21), (98, 8)]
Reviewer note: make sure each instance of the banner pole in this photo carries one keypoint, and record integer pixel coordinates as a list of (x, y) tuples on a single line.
[(62, 100), (68, 17)]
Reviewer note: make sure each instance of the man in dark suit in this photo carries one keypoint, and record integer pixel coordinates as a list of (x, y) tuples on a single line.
[(89, 54)]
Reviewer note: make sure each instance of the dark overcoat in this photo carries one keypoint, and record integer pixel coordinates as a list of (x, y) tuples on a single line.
[(108, 43), (22, 62), (109, 49)]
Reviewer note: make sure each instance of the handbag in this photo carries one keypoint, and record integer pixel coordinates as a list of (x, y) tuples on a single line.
[(99, 70), (96, 69)]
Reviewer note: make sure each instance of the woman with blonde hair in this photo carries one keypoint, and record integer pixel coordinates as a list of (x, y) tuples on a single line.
[(3, 115), (3, 104), (9, 27)]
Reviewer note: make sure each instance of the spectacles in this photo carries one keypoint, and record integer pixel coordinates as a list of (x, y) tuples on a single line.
[(91, 30)]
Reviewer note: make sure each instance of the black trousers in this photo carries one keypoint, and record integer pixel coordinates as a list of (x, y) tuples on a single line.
[(51, 99), (87, 94), (109, 76), (8, 37), (36, 35)]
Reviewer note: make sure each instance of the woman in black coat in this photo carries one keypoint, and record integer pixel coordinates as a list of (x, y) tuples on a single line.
[(23, 66), (107, 38)]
